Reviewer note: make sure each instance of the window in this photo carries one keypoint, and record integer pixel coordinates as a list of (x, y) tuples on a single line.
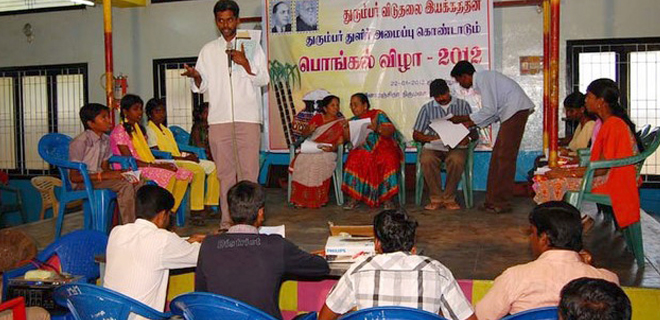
[(169, 84), (35, 101), (635, 65)]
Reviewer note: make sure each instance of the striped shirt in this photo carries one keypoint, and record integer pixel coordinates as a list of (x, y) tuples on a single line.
[(433, 110), (399, 279)]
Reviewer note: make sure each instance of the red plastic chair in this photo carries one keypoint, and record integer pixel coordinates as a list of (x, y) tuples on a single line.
[(17, 307)]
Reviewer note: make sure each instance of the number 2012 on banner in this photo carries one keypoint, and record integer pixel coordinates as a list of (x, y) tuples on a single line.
[(457, 54)]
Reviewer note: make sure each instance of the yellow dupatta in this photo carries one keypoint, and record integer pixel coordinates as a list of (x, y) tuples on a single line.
[(165, 139), (140, 145)]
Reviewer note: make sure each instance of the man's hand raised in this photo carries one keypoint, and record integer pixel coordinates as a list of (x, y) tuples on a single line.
[(191, 72)]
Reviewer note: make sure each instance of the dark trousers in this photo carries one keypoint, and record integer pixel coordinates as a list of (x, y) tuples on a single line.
[(502, 170)]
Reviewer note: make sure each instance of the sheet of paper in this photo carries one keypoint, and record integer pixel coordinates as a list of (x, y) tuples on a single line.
[(450, 133), (281, 230), (132, 176), (436, 145), (359, 131), (312, 147)]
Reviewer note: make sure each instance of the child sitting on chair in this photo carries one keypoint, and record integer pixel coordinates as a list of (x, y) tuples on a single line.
[(159, 137), (92, 147)]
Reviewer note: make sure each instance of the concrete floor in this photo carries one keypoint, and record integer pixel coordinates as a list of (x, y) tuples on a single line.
[(471, 243)]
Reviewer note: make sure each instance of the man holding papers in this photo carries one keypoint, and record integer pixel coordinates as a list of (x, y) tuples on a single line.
[(448, 145), (503, 100)]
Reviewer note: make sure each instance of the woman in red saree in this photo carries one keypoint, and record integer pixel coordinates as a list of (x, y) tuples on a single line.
[(311, 172), (371, 173), (615, 140)]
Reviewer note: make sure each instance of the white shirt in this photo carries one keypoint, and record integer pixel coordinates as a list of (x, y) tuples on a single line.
[(399, 279), (138, 258), (213, 67)]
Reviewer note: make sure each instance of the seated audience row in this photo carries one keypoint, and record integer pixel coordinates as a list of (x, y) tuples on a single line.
[(250, 267), (371, 173), (94, 147)]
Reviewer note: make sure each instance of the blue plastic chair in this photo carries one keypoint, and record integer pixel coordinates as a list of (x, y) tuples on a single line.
[(546, 313), (98, 205), (391, 313), (204, 305), (76, 252), (182, 138), (181, 211), (87, 301)]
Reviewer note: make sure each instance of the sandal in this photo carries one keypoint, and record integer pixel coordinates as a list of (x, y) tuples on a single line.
[(389, 205), (351, 204), (452, 205), (434, 206)]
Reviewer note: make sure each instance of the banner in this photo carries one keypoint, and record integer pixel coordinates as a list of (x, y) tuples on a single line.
[(389, 50)]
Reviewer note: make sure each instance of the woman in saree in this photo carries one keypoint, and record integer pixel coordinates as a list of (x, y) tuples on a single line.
[(159, 137), (615, 140), (127, 139), (311, 172), (371, 173)]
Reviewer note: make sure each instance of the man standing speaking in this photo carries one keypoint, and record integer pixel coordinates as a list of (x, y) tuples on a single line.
[(231, 75)]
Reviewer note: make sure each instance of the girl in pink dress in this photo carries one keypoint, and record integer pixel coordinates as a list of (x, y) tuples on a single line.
[(127, 139)]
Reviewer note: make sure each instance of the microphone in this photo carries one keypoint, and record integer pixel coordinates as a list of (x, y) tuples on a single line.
[(229, 60)]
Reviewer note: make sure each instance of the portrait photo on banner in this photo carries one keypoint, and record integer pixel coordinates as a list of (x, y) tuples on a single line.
[(388, 51)]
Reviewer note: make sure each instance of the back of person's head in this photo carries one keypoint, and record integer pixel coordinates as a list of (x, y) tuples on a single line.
[(575, 100), (395, 230), (90, 111), (363, 98), (245, 199), (461, 68), (438, 87), (608, 90), (152, 104), (152, 199), (593, 299), (561, 222), (224, 5)]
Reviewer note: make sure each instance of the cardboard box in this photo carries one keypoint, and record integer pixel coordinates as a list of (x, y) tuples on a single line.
[(346, 243)]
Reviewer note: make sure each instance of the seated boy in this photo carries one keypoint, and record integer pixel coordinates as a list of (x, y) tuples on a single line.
[(92, 147)]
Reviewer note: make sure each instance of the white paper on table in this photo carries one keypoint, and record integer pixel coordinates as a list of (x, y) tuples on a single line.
[(359, 131), (281, 230), (450, 133), (309, 146)]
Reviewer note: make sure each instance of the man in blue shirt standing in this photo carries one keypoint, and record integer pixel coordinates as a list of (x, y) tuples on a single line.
[(505, 101)]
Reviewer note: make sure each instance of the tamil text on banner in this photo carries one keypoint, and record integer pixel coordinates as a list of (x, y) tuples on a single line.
[(388, 50)]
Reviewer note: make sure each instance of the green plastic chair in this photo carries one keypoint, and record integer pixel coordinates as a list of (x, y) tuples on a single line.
[(466, 178), (337, 176), (633, 233)]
